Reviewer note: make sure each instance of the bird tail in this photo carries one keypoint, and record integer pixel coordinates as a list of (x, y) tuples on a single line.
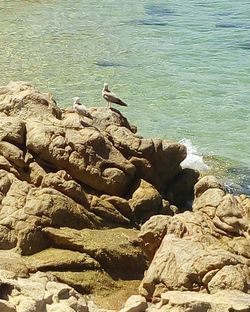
[(89, 116), (120, 102)]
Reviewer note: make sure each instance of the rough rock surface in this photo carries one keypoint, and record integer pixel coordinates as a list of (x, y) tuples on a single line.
[(222, 301), (39, 292), (190, 301), (74, 193), (206, 250), (135, 303)]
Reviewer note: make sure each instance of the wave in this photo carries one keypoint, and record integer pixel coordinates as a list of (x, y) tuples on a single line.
[(236, 179), (194, 159)]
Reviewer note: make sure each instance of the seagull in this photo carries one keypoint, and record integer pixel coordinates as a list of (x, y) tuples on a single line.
[(110, 97), (80, 108)]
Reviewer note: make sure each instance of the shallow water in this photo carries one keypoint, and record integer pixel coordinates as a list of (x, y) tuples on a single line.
[(182, 66)]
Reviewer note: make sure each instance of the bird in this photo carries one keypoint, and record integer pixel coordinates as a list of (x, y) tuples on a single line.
[(80, 108), (110, 97)]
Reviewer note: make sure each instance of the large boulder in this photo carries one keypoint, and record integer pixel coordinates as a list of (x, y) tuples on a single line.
[(54, 259), (225, 210), (102, 118), (204, 250), (25, 210), (145, 201), (135, 303), (12, 129), (65, 184), (117, 250), (83, 153), (185, 264), (223, 301), (23, 100), (156, 161)]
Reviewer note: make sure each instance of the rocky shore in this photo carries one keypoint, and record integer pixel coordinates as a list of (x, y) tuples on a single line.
[(89, 211)]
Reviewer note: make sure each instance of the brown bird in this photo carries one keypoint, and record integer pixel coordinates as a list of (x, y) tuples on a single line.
[(110, 97)]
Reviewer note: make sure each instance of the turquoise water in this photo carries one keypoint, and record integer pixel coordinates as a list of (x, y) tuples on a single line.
[(183, 66)]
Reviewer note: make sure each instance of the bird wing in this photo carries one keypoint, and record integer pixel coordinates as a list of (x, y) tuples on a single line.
[(82, 110), (111, 97)]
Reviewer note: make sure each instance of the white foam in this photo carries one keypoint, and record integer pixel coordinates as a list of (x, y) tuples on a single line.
[(194, 159)]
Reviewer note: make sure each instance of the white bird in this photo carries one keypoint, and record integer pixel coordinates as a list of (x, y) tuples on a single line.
[(110, 97), (80, 108)]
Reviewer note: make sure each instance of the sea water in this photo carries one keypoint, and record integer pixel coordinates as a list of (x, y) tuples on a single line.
[(183, 67)]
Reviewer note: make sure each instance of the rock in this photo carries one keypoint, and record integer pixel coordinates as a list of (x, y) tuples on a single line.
[(203, 250), (135, 303), (151, 234), (223, 301), (209, 201), (32, 294), (60, 307), (120, 204), (19, 98), (108, 212), (12, 153), (230, 277), (71, 194), (26, 210), (52, 259), (36, 174), (7, 166), (115, 249), (146, 201), (78, 304), (231, 217), (224, 209), (6, 306), (12, 130), (244, 201), (103, 117), (50, 162), (205, 183), (39, 292), (180, 264), (161, 158), (85, 154), (5, 183), (13, 262), (59, 291), (95, 308), (64, 183), (96, 282)]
